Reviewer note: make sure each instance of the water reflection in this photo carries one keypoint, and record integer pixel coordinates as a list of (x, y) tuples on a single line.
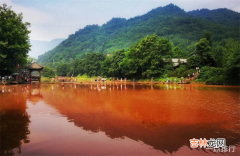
[(34, 93), (164, 117), (14, 119), (147, 113)]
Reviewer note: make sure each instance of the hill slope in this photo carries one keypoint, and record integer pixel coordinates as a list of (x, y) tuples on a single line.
[(182, 28), (222, 16)]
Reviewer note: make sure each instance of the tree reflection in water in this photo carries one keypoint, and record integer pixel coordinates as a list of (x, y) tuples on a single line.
[(14, 126), (14, 120), (165, 120), (162, 116)]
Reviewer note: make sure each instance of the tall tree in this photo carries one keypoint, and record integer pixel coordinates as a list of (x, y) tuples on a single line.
[(208, 36), (204, 51), (148, 57), (110, 66), (232, 59), (63, 69), (14, 39), (92, 63), (48, 72)]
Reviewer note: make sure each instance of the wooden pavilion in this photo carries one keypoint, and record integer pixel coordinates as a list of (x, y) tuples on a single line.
[(35, 67)]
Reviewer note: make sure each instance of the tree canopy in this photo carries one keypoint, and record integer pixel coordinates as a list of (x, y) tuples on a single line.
[(14, 40), (148, 57), (48, 72)]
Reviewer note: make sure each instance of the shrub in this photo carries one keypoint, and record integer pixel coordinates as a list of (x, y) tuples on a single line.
[(48, 72), (211, 75)]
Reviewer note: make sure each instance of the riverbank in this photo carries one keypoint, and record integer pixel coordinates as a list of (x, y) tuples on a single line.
[(118, 83), (87, 80)]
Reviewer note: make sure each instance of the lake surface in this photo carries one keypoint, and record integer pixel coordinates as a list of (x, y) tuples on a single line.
[(118, 119)]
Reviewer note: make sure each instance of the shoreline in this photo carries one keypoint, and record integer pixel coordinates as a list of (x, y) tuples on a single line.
[(123, 83)]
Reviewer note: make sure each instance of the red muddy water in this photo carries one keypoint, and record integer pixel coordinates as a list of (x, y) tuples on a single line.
[(118, 119)]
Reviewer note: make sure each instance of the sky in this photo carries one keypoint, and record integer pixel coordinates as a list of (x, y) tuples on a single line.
[(52, 19)]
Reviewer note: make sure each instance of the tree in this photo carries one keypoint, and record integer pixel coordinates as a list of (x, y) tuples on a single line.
[(48, 72), (14, 39), (176, 52), (148, 57), (110, 66), (218, 55), (231, 59), (30, 60), (208, 36), (106, 68), (92, 63), (63, 69), (204, 51)]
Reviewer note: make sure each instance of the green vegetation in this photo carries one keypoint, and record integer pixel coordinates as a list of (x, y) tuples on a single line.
[(45, 79), (151, 57), (220, 65), (226, 69), (182, 28), (90, 65), (222, 16), (48, 72), (207, 39), (30, 60), (110, 66), (84, 78), (211, 45), (148, 58), (14, 40)]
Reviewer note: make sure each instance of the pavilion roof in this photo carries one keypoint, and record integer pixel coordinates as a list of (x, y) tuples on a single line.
[(35, 65)]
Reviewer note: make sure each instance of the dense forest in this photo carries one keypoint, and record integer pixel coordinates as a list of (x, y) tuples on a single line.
[(182, 28), (142, 47), (151, 57)]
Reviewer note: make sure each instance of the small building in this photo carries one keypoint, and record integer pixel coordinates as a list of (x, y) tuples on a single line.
[(37, 69), (109, 55), (176, 61)]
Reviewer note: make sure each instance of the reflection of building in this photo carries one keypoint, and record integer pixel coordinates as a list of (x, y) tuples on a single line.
[(35, 94), (35, 67)]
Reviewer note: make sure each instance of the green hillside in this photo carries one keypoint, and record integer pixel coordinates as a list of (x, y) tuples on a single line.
[(183, 29), (222, 16)]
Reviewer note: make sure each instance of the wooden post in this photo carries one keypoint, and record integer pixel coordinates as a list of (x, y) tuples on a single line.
[(40, 76), (30, 76)]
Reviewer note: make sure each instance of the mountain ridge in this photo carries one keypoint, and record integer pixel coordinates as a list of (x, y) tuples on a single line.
[(182, 28), (231, 17)]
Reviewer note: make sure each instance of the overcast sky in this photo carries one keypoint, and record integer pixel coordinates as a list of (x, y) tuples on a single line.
[(52, 19)]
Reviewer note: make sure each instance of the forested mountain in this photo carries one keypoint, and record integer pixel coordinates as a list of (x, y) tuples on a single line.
[(40, 47), (222, 16), (183, 29)]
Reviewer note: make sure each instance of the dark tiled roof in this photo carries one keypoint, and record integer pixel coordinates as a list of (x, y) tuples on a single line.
[(34, 65)]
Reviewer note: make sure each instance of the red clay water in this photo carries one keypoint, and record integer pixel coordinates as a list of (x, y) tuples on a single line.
[(117, 119)]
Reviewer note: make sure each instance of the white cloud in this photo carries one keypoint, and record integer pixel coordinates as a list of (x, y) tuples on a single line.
[(31, 15), (8, 2)]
